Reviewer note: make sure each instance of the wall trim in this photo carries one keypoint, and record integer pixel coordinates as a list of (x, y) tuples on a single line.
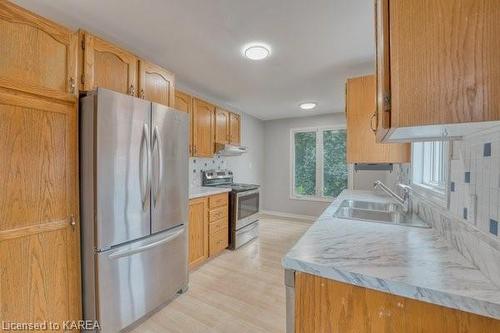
[(308, 218)]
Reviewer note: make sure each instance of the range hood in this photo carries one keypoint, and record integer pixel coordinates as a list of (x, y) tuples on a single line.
[(229, 150)]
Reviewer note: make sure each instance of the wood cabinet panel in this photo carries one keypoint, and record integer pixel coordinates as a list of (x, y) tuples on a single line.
[(218, 241), (203, 128), (107, 66), (218, 200), (383, 69), (221, 126), (323, 305), (437, 63), (198, 231), (156, 84), (218, 213), (37, 55), (217, 226), (184, 102), (39, 246), (361, 141), (235, 128)]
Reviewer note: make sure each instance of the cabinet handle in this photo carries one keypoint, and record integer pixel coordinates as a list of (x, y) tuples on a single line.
[(141, 94), (72, 85), (72, 221), (131, 90), (373, 116)]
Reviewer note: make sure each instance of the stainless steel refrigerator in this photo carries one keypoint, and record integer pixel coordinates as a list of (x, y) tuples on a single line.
[(134, 199)]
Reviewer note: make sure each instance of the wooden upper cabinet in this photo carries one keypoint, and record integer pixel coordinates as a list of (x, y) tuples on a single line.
[(156, 84), (198, 231), (437, 63), (184, 102), (107, 66), (203, 128), (361, 141), (222, 126), (36, 55), (234, 128)]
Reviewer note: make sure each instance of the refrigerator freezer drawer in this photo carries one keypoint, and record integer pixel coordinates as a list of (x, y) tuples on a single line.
[(137, 278)]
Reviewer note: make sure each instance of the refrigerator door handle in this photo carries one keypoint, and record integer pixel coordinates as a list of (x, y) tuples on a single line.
[(157, 145), (128, 252), (145, 188)]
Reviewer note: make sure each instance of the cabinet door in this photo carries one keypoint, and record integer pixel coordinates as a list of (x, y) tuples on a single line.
[(107, 66), (235, 126), (36, 55), (382, 121), (203, 128), (361, 142), (39, 224), (198, 231), (444, 61), (156, 84), (323, 305), (184, 102), (221, 126)]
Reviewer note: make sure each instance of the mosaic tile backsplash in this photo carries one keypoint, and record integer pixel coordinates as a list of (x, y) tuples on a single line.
[(475, 181), (198, 164)]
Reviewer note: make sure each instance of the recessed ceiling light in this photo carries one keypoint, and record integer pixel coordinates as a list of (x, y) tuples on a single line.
[(308, 106), (256, 51)]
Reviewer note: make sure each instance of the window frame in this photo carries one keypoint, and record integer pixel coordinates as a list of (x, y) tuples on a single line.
[(423, 177), (319, 196)]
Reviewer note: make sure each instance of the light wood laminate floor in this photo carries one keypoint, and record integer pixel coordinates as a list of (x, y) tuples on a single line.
[(238, 291)]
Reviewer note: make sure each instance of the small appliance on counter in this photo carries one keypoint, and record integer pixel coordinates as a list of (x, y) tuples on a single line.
[(134, 199), (243, 206)]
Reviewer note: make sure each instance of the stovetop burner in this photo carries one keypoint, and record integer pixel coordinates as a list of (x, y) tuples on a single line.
[(224, 179), (237, 187)]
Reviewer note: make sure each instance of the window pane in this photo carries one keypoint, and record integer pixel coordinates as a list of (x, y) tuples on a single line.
[(335, 165), (305, 163)]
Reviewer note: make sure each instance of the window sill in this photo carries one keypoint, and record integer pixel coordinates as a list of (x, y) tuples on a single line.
[(306, 198), (431, 194)]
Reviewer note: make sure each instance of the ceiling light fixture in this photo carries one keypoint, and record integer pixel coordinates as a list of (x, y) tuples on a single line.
[(308, 106), (256, 51)]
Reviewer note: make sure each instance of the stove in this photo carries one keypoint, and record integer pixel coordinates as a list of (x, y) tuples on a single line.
[(243, 206)]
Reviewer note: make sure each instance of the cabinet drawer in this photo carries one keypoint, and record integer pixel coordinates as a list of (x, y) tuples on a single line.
[(217, 200), (218, 213), (217, 225), (218, 241)]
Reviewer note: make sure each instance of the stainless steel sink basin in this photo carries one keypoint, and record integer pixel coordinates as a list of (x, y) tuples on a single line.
[(388, 213), (368, 205)]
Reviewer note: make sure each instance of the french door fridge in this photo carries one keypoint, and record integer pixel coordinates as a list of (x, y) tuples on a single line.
[(134, 199)]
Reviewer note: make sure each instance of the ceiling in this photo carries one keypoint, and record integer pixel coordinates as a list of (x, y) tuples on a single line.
[(315, 45)]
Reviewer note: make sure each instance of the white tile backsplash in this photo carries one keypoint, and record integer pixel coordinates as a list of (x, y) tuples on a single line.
[(199, 164), (481, 196)]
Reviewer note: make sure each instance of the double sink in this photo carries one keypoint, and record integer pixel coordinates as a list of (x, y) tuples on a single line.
[(389, 213)]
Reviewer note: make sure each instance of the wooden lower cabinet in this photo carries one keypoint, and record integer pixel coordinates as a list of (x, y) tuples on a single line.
[(208, 227), (198, 231), (327, 306)]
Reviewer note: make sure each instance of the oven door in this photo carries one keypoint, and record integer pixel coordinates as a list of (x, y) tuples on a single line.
[(247, 208)]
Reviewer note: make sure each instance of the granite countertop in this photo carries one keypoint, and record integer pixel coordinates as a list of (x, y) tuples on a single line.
[(412, 262), (204, 191)]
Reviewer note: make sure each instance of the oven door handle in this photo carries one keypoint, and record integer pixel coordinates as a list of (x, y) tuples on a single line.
[(245, 193)]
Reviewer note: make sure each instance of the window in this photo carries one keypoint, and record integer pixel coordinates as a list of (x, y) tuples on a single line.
[(319, 168), (430, 169)]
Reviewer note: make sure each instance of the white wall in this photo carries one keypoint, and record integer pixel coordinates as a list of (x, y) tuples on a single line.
[(249, 167)]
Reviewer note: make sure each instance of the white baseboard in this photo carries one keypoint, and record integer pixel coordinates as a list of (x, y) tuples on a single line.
[(290, 216)]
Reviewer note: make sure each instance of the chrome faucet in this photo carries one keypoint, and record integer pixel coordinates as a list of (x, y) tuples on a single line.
[(403, 201)]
